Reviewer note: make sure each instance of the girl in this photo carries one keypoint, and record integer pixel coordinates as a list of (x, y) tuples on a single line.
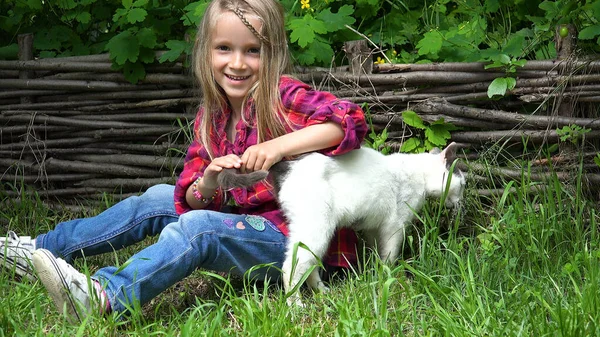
[(252, 117)]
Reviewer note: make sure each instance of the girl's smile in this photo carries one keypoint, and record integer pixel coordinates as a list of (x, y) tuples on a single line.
[(235, 56)]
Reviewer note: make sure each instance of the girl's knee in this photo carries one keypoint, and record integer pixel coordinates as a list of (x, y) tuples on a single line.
[(193, 224), (159, 192)]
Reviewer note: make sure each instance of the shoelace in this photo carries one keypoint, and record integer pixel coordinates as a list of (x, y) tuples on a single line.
[(78, 286), (15, 241)]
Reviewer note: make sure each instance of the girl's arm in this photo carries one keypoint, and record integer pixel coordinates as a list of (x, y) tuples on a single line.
[(311, 138), (207, 186), (322, 122)]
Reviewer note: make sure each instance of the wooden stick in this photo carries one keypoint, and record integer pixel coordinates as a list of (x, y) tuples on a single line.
[(117, 77), (71, 142), (24, 93), (518, 174), (20, 130), (61, 65), (514, 136), (79, 123), (59, 165), (543, 65), (132, 159), (49, 178), (439, 106), (66, 85), (128, 184)]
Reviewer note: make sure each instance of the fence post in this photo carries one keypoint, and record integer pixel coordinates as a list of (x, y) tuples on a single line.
[(565, 45), (360, 56), (26, 54)]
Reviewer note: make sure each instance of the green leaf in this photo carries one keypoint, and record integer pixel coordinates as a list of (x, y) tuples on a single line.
[(127, 3), (428, 146), (53, 38), (66, 4), (140, 3), (431, 43), (497, 87), (134, 72), (136, 15), (322, 50), (146, 38), (34, 4), (511, 82), (9, 52), (551, 8), (597, 159), (447, 126), (491, 6), (305, 57), (146, 55), (515, 45), (410, 145), (595, 8), (519, 63), (411, 118), (437, 134), (339, 20), (123, 47), (83, 17), (175, 49), (119, 13), (589, 32), (502, 58), (193, 13), (304, 29)]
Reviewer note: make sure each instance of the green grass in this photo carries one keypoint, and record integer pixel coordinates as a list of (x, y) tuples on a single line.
[(521, 264)]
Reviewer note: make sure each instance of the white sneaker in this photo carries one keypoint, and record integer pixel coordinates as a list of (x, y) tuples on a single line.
[(15, 254), (68, 288)]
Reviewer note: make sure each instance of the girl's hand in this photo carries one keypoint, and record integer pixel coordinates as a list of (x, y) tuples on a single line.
[(216, 166), (261, 156)]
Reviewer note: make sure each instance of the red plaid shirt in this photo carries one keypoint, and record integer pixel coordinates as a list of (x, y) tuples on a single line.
[(303, 107)]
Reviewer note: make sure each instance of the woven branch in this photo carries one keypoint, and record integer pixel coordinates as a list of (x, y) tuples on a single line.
[(515, 136), (132, 159), (66, 85), (79, 123), (439, 106), (87, 130), (516, 174), (61, 65), (543, 65)]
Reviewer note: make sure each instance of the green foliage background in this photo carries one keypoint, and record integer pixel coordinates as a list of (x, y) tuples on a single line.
[(407, 31)]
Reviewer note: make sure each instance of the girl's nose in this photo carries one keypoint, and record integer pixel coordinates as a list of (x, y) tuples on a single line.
[(237, 60)]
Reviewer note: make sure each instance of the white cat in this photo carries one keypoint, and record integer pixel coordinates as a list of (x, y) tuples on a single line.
[(365, 190)]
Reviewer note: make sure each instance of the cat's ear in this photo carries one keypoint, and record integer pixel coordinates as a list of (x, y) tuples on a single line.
[(449, 153)]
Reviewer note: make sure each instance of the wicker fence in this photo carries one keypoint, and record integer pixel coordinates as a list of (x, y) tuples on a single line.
[(75, 128)]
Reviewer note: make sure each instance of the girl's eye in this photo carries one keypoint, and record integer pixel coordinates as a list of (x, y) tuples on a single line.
[(222, 48), (254, 50)]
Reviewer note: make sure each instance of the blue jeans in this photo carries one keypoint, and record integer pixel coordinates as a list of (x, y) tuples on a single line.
[(197, 239)]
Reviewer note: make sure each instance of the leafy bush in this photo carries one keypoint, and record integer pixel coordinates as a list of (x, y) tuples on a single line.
[(406, 31)]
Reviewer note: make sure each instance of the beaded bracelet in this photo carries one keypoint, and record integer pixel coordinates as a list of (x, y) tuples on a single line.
[(198, 196)]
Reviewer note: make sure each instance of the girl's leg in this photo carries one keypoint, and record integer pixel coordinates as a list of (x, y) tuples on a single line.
[(123, 224), (200, 239)]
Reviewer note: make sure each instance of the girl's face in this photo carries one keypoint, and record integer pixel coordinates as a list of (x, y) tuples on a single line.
[(235, 56)]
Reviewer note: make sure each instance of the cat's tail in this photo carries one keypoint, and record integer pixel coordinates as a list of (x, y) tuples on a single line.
[(231, 178)]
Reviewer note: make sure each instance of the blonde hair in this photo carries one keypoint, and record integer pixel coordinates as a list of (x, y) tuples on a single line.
[(274, 62)]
